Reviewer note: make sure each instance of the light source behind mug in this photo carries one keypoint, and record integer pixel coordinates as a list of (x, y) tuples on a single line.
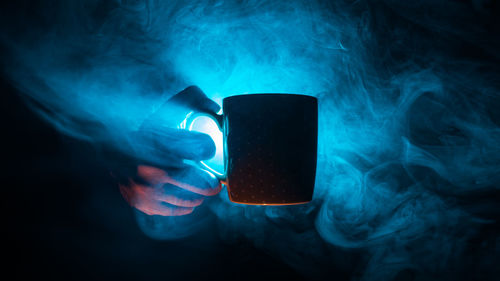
[(270, 147)]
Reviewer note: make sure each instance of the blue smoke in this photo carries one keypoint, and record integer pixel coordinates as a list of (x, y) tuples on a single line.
[(407, 130)]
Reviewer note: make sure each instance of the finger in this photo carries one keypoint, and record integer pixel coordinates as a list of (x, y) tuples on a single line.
[(180, 197), (162, 193), (174, 110), (189, 178), (193, 97), (159, 142), (156, 177), (151, 175), (139, 198), (194, 180), (167, 146), (210, 191)]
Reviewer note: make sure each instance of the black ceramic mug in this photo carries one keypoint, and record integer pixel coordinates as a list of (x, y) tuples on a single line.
[(270, 147)]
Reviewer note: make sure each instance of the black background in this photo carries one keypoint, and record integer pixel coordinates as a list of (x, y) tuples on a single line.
[(64, 217)]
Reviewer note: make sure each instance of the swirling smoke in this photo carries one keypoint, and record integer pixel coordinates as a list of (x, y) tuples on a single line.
[(409, 112)]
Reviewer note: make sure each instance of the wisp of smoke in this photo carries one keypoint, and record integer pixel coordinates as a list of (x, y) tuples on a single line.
[(406, 129)]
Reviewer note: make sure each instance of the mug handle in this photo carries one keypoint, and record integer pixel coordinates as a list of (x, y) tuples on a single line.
[(188, 125)]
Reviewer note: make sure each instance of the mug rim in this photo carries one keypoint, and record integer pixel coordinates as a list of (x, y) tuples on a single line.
[(271, 94)]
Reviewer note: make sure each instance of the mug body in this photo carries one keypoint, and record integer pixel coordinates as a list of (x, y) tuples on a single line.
[(270, 148)]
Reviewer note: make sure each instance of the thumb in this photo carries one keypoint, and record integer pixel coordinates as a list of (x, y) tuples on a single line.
[(167, 147), (159, 142), (193, 98), (175, 109)]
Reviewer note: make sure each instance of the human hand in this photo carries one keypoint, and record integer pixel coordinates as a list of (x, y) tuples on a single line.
[(161, 183)]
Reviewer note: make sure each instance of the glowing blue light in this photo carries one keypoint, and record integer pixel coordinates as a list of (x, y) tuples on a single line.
[(208, 126)]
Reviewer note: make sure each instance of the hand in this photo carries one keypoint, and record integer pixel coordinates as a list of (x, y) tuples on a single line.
[(162, 184)]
